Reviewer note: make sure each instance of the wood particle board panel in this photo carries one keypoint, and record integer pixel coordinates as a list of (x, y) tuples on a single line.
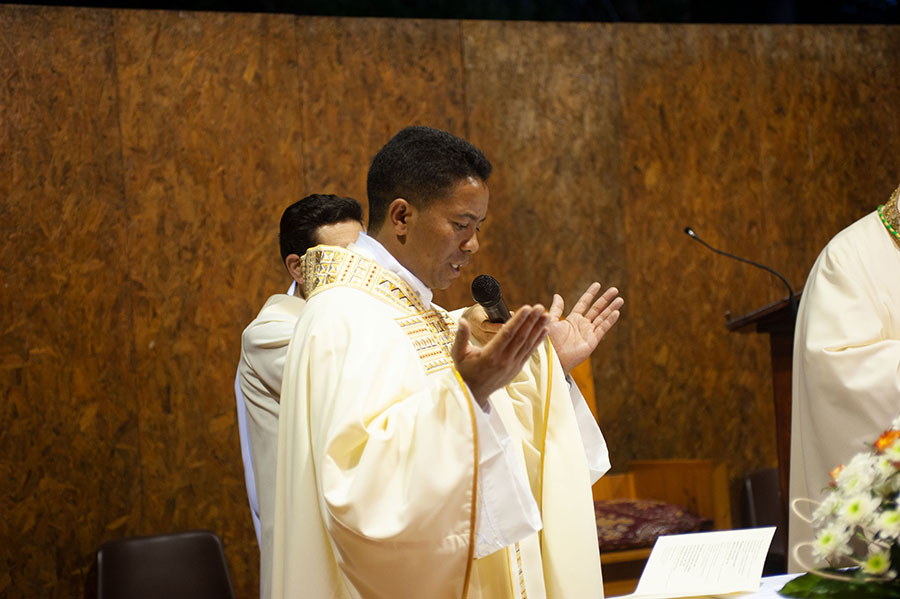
[(70, 437), (362, 80), (542, 105), (691, 157), (830, 125), (211, 141)]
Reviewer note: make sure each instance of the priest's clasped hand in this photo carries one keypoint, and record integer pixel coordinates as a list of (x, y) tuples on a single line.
[(490, 367)]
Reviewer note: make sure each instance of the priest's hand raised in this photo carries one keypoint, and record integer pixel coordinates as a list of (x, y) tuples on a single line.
[(576, 336), (492, 366)]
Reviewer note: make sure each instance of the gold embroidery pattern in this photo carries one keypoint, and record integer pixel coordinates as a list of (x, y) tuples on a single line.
[(889, 214), (521, 572), (327, 266), (430, 330), (431, 337)]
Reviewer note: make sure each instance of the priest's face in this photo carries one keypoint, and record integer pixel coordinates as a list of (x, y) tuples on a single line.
[(441, 237)]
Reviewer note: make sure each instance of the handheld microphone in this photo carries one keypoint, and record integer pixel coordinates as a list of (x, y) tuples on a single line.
[(792, 299), (486, 291)]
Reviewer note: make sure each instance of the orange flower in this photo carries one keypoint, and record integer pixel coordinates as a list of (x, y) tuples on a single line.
[(886, 440), (834, 473)]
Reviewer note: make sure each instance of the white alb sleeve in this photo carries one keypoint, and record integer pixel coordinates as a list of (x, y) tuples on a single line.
[(507, 511), (595, 449)]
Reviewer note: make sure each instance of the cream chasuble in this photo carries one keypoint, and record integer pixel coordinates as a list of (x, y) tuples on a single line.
[(378, 452), (846, 370)]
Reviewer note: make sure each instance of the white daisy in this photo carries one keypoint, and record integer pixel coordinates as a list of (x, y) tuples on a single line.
[(885, 480), (892, 451), (887, 524), (858, 510), (831, 542), (878, 562), (858, 474), (827, 508)]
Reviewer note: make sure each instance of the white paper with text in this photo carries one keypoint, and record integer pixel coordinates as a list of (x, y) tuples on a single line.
[(705, 563)]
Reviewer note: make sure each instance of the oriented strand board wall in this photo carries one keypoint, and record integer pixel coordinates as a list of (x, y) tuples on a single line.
[(145, 158), (210, 141), (71, 468)]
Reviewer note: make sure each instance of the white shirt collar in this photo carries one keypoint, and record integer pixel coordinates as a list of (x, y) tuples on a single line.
[(370, 248)]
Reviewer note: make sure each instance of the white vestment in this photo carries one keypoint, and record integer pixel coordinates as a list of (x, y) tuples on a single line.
[(264, 345), (247, 455), (379, 450), (846, 369)]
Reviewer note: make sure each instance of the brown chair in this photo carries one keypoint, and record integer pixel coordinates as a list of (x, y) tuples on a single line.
[(189, 565), (698, 486), (761, 505)]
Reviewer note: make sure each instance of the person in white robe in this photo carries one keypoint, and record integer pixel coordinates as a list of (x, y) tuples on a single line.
[(412, 463), (318, 218), (846, 368)]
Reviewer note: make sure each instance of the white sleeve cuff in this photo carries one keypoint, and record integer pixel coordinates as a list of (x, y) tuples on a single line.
[(507, 511), (595, 450)]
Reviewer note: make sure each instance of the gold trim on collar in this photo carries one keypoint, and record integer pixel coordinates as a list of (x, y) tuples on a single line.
[(890, 216), (326, 266), (430, 329)]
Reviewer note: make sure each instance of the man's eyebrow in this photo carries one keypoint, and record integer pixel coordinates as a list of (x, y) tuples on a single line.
[(471, 216)]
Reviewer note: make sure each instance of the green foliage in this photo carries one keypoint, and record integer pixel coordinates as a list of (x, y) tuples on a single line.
[(811, 586)]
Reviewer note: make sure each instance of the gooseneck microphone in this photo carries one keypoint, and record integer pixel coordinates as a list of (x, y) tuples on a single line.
[(486, 291), (792, 299)]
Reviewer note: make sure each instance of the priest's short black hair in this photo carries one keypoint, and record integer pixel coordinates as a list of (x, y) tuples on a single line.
[(420, 164), (302, 219)]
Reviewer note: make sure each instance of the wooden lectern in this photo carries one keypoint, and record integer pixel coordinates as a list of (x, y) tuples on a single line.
[(777, 319)]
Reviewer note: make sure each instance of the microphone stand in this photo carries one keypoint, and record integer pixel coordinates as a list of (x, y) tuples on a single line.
[(792, 299)]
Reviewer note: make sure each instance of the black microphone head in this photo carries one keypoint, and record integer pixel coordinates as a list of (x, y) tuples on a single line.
[(485, 289), (690, 231)]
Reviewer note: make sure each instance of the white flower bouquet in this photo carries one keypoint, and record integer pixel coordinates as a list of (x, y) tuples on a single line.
[(858, 523)]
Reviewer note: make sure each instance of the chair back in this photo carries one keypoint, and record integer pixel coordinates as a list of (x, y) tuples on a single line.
[(189, 565), (761, 505)]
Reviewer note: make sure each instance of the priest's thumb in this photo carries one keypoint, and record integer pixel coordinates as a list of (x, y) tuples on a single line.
[(463, 333)]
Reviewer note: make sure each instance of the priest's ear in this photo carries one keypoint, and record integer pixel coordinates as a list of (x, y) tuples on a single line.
[(399, 214), (293, 264)]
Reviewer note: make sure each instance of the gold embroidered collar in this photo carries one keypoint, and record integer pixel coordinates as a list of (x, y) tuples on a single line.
[(890, 216), (326, 266)]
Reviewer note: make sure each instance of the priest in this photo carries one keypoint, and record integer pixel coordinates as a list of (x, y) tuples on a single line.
[(313, 220), (846, 377), (412, 462)]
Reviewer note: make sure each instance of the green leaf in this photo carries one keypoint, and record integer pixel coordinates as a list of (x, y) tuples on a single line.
[(811, 586)]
